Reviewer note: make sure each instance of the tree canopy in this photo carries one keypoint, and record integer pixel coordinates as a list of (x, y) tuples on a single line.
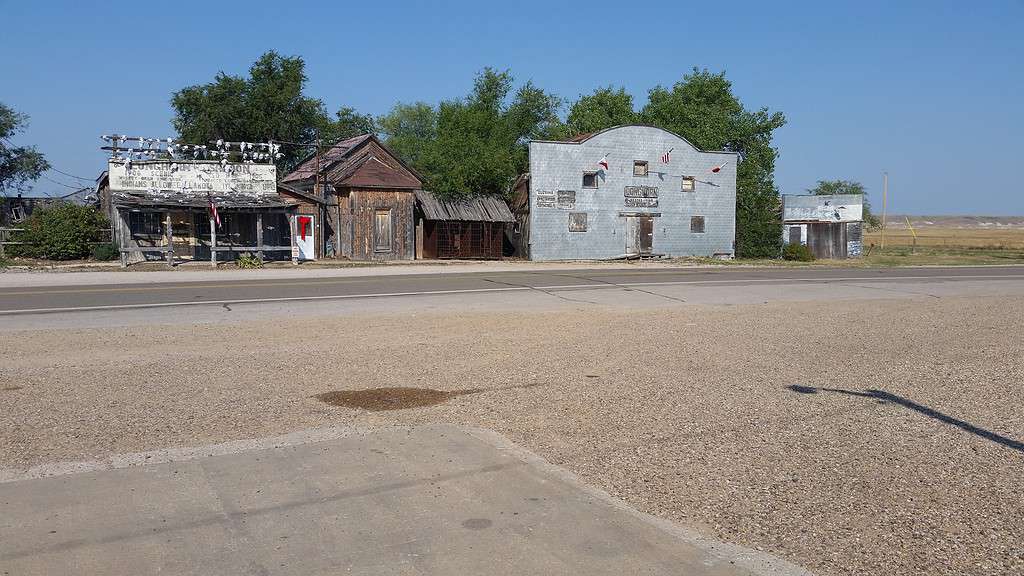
[(267, 105), (19, 165), (605, 108), (829, 187), (477, 144), (702, 108)]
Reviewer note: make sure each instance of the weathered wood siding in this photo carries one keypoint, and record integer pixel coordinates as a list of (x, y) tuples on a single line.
[(364, 204)]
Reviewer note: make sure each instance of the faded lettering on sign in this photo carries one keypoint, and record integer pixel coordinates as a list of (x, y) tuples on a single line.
[(545, 199), (641, 202), (640, 192), (567, 199)]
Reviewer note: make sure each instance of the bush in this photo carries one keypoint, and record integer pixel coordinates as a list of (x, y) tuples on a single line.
[(105, 252), (247, 260), (61, 232), (797, 252)]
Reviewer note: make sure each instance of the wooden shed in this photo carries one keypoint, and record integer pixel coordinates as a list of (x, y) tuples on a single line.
[(473, 228), (368, 194)]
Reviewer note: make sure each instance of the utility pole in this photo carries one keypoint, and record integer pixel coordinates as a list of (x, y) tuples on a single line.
[(885, 203)]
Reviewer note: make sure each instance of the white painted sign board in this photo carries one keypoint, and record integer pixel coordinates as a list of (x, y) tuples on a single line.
[(200, 178)]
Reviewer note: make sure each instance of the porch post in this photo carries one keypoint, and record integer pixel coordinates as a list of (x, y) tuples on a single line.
[(169, 238), (259, 235), (121, 230), (213, 242), (295, 248)]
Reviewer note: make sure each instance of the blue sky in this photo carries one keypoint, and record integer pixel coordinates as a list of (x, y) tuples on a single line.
[(930, 91)]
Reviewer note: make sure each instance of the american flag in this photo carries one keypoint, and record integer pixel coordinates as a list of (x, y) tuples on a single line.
[(213, 212), (667, 156)]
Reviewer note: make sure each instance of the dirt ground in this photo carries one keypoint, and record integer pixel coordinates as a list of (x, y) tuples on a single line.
[(864, 437)]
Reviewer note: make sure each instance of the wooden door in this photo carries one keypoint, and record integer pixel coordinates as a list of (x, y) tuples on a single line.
[(632, 236), (646, 234)]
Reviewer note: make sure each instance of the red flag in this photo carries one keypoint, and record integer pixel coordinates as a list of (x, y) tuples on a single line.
[(603, 163), (718, 168)]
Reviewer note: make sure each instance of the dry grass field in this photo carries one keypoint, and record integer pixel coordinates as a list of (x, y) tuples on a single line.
[(946, 240)]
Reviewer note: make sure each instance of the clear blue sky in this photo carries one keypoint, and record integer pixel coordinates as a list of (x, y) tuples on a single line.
[(930, 91)]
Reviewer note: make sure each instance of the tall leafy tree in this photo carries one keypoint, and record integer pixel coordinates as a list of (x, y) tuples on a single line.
[(477, 144), (703, 109), (348, 123), (605, 108), (829, 187), (19, 165), (410, 130), (267, 105)]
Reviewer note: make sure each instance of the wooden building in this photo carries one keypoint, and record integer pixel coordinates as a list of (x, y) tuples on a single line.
[(830, 225), (472, 228), (168, 210), (369, 197)]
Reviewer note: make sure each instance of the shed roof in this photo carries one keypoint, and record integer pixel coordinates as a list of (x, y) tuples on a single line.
[(481, 209)]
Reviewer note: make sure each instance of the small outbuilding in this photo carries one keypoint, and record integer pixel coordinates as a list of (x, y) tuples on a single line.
[(472, 228), (830, 225)]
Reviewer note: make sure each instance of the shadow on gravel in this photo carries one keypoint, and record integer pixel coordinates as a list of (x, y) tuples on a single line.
[(400, 398), (884, 397)]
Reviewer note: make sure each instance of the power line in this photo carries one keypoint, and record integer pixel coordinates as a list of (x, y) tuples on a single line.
[(45, 177), (72, 175)]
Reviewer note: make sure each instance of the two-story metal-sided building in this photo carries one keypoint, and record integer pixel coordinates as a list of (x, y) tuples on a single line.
[(629, 191)]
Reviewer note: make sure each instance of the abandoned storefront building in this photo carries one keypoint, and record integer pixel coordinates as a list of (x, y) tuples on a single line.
[(625, 192), (179, 210), (369, 196), (471, 228), (831, 226)]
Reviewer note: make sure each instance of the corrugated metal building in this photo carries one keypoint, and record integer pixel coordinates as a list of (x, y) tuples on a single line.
[(473, 228), (831, 226), (628, 191)]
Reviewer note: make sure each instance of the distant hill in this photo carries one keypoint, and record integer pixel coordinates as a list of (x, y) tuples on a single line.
[(966, 222)]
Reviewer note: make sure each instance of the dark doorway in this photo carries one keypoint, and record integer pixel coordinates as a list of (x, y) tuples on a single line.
[(646, 234)]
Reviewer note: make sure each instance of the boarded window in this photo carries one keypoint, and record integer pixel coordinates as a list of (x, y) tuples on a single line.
[(689, 183), (697, 224), (639, 168), (577, 222), (590, 179), (566, 199), (382, 231), (854, 232)]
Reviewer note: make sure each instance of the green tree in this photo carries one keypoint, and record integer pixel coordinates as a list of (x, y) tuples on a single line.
[(605, 108), (703, 109), (478, 144), (63, 231), (829, 187), (268, 105), (19, 165), (410, 131), (348, 123)]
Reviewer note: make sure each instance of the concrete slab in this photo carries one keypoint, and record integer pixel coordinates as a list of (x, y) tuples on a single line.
[(429, 500)]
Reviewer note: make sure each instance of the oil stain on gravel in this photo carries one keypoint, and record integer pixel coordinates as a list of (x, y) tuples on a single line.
[(399, 397)]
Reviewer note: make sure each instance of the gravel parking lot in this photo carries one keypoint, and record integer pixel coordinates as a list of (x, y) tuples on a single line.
[(861, 437)]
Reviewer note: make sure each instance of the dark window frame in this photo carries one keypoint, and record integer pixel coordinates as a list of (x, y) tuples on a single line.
[(698, 222), (693, 184), (646, 167), (593, 175)]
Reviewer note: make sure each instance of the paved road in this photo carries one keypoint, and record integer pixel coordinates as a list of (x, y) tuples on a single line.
[(434, 500), (45, 299)]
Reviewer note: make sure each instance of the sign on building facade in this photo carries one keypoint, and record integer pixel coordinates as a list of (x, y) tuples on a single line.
[(194, 177)]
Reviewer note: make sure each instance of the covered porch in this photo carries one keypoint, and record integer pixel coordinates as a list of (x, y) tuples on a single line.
[(148, 231)]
